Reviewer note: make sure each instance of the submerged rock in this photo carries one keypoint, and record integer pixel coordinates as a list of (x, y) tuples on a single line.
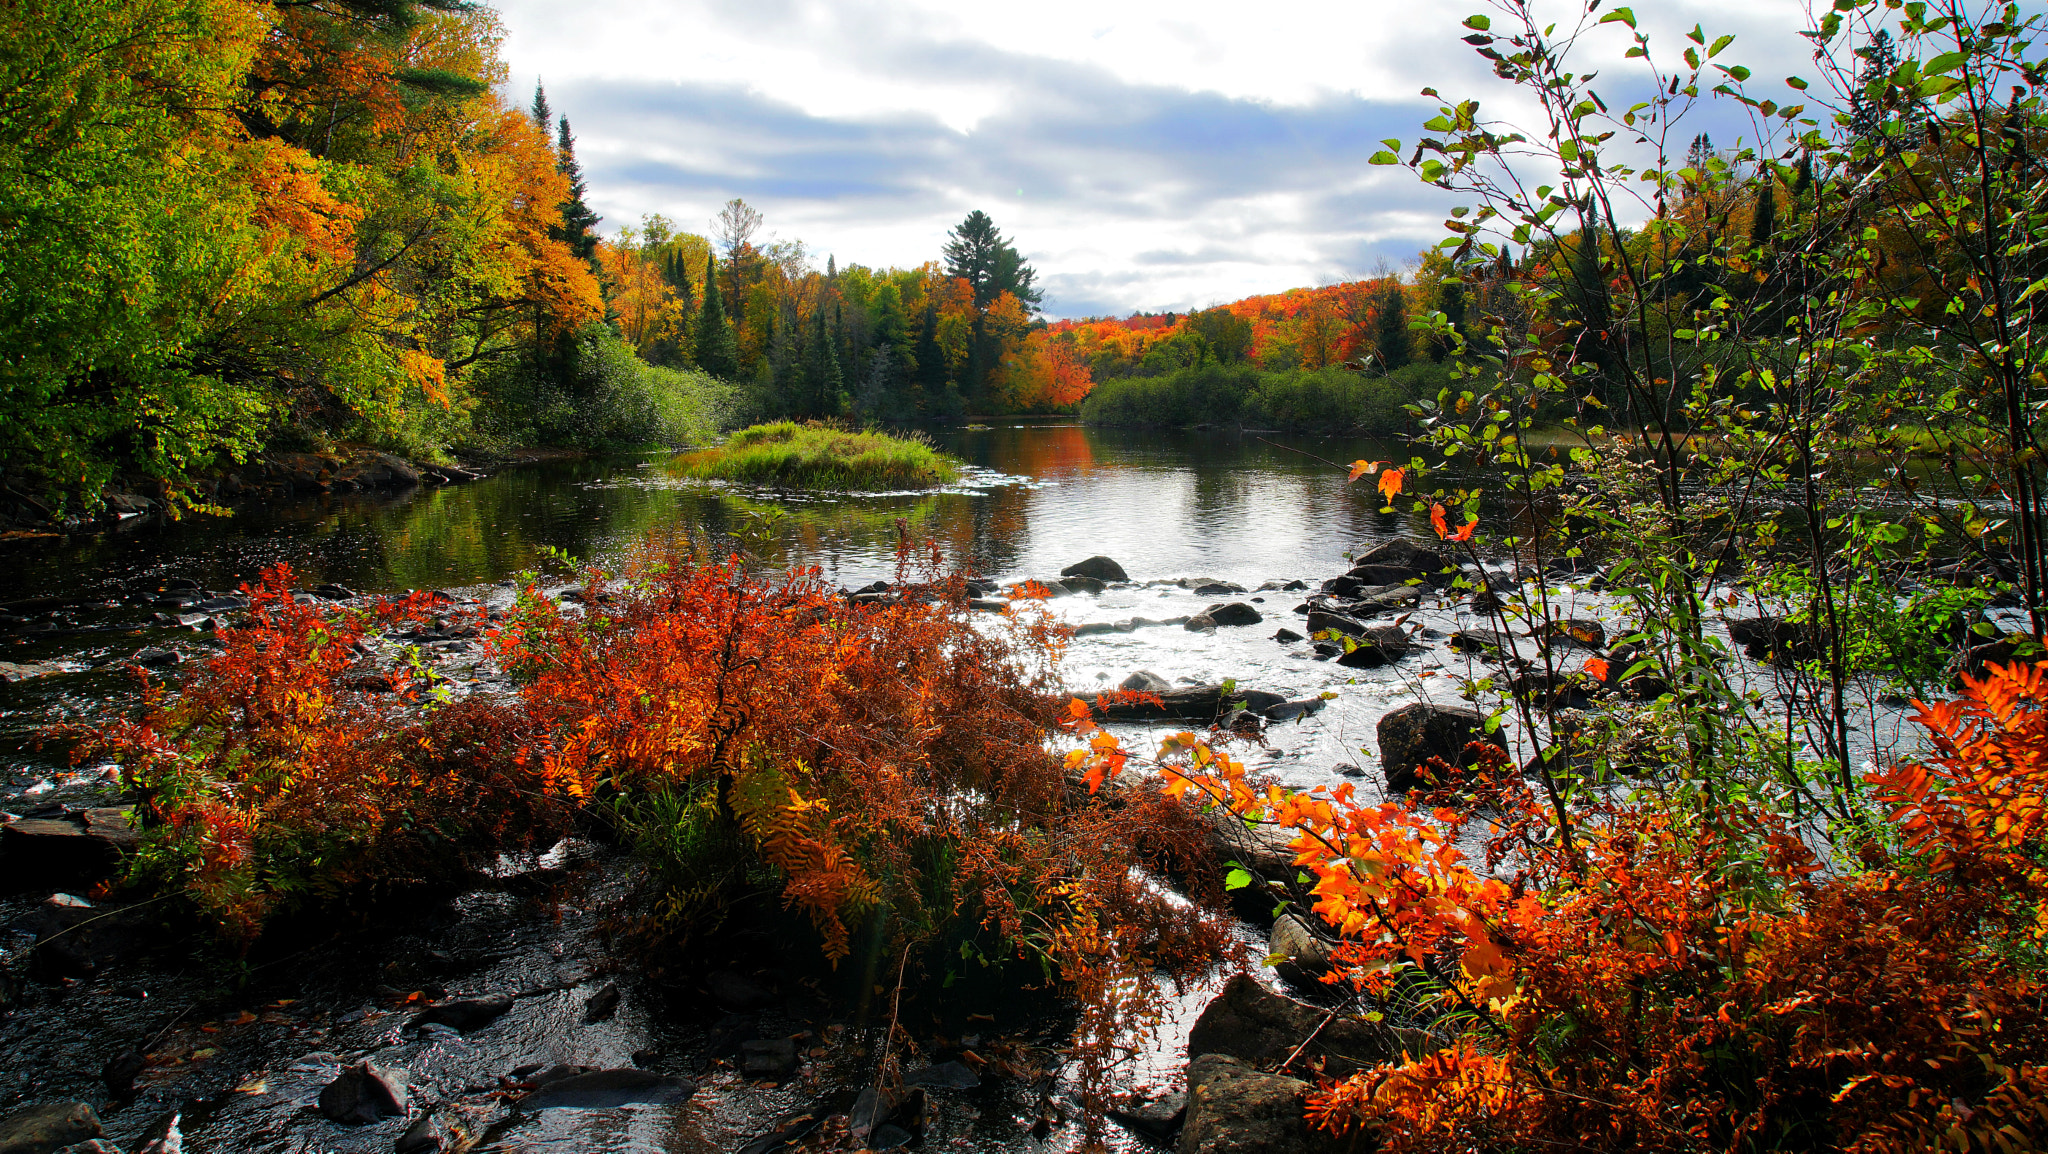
[(1233, 613), (1193, 703), (464, 1014), (604, 1089), (1146, 681), (1253, 1024)]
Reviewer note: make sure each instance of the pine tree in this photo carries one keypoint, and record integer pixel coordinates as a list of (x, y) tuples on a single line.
[(577, 219), (543, 116), (1451, 302), (1764, 223), (822, 369), (718, 351), (1390, 327), (930, 358)]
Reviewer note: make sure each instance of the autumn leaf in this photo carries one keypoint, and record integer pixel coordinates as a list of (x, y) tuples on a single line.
[(1436, 518), (1361, 468), (1390, 483), (1596, 668), (1464, 532)]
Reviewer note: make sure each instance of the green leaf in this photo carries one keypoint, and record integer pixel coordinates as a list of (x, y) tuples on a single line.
[(1719, 44), (1238, 879), (1796, 84), (1620, 14), (1383, 157), (1478, 23), (1946, 62)]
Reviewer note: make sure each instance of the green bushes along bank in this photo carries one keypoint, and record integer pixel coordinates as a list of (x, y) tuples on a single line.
[(1299, 400), (821, 457)]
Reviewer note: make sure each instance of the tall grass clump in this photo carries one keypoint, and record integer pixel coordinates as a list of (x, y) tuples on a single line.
[(821, 457)]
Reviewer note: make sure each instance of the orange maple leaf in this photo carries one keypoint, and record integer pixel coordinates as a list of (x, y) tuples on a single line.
[(1464, 532), (1596, 668), (1436, 518), (1361, 468), (1390, 483)]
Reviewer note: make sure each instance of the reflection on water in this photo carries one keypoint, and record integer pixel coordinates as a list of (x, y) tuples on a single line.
[(1162, 503)]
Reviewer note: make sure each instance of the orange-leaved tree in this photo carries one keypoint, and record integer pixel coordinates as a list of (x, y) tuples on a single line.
[(1672, 978)]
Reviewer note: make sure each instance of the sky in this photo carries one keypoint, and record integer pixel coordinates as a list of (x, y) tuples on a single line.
[(1154, 156)]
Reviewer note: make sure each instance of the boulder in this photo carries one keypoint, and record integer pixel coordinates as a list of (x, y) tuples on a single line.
[(1021, 588), (164, 1136), (1287, 636), (1200, 623), (1485, 642), (1158, 1118), (1190, 703), (1324, 621), (365, 1092), (1412, 734), (1217, 588), (1252, 1024), (425, 1136), (1233, 613), (1775, 639), (1146, 681), (1289, 710), (1376, 647), (48, 1128), (1404, 554), (1098, 567), (464, 1014), (606, 1089), (2006, 650), (378, 471), (1236, 1109), (75, 939), (1296, 952), (1584, 631), (1097, 628), (988, 605), (1083, 584), (70, 852), (602, 1004), (1377, 575)]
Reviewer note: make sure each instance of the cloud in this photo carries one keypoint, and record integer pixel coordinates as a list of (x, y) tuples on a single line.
[(1140, 157)]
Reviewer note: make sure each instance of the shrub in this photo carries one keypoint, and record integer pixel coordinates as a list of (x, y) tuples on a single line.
[(1298, 400), (823, 457), (599, 394)]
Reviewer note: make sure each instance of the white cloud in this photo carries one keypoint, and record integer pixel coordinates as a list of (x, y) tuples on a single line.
[(1142, 154)]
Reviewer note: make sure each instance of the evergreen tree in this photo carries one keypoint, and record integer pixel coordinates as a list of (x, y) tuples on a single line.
[(543, 115), (577, 219), (930, 358), (718, 351), (1866, 116), (1390, 327), (977, 252), (822, 369), (1764, 222), (1451, 302)]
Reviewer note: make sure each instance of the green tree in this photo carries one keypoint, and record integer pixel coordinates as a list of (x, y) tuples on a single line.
[(718, 351), (821, 369), (978, 253), (1390, 326), (578, 222)]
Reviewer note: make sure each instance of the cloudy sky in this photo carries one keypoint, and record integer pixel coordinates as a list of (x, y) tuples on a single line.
[(1142, 155)]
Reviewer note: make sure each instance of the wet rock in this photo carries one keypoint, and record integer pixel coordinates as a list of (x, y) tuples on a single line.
[(1193, 703), (1411, 735), (1097, 628), (602, 1004), (1200, 623), (1375, 647), (1584, 631), (333, 592), (1287, 636), (988, 605), (425, 1136), (1347, 770), (768, 1058), (45, 853), (76, 939), (1233, 613), (1404, 554), (737, 990), (1253, 1024), (1083, 584), (164, 1136), (92, 1146), (2006, 650), (1324, 621), (13, 672), (48, 1128), (1775, 639), (157, 657), (1146, 681), (1485, 642), (464, 1014), (1289, 710), (1215, 588), (875, 1112), (1158, 1119), (605, 1089), (1098, 567), (364, 1093), (945, 1076), (1380, 576), (1296, 952), (1236, 1109), (122, 1069)]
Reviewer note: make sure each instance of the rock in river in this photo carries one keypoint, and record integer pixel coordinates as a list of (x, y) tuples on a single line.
[(464, 1014), (603, 1089), (1146, 681), (1192, 703), (1253, 1024), (364, 1093), (1100, 568), (1412, 734), (53, 1126), (1234, 1108), (1233, 613)]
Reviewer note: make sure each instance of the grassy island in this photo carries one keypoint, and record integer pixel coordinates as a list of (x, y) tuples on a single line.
[(821, 457)]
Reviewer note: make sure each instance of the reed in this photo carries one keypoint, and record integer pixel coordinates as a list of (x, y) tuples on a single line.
[(791, 455)]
